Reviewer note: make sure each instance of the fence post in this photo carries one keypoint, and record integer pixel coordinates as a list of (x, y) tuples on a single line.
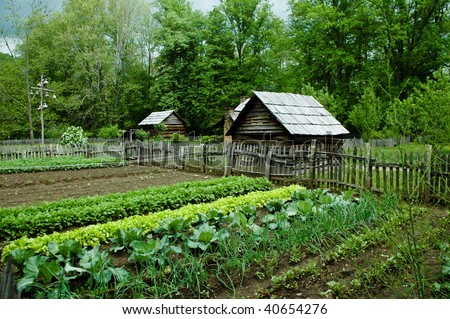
[(203, 158), (428, 168), (368, 167), (138, 154), (228, 159), (312, 164), (268, 165)]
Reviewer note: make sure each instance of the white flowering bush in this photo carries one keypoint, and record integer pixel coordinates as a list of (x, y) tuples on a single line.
[(73, 136)]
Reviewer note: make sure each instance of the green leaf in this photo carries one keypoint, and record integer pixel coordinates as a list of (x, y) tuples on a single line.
[(268, 218), (32, 265), (221, 235), (49, 270), (19, 256), (305, 207), (25, 284), (205, 233), (446, 269), (120, 275), (69, 268), (102, 277)]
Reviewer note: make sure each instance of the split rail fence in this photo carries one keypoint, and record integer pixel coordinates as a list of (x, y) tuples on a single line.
[(421, 176)]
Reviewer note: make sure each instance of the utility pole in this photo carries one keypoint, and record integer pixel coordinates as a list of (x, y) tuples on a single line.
[(41, 90)]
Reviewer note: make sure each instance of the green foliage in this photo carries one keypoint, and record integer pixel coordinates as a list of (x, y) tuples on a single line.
[(141, 134), (209, 139), (205, 235), (357, 58), (55, 276), (216, 243), (48, 217), (95, 234), (423, 114), (73, 136), (55, 163), (177, 137), (110, 132), (153, 251), (366, 116)]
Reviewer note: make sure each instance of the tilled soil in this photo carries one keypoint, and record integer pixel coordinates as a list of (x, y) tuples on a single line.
[(32, 188)]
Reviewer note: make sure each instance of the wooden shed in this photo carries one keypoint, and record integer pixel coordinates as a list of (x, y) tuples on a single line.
[(268, 116), (171, 121)]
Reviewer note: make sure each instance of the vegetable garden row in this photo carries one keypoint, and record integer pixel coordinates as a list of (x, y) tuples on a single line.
[(56, 163), (208, 239)]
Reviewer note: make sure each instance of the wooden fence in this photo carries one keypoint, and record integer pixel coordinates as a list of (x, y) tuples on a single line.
[(23, 149), (421, 176)]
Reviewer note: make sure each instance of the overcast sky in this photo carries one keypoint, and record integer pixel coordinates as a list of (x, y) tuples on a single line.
[(280, 8)]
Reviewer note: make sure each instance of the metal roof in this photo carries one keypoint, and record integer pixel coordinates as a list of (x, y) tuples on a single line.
[(239, 109), (299, 114), (156, 118)]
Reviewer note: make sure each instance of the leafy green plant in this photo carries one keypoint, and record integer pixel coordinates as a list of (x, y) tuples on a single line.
[(55, 163), (177, 138), (110, 132), (172, 227), (73, 136), (48, 217), (154, 251), (124, 237), (212, 216), (141, 134), (99, 265), (442, 287), (205, 235), (95, 234), (55, 276), (336, 289)]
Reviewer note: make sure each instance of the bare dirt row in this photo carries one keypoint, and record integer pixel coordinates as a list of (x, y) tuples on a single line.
[(32, 188)]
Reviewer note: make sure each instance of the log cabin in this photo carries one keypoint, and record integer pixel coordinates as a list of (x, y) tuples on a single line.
[(171, 121), (276, 117)]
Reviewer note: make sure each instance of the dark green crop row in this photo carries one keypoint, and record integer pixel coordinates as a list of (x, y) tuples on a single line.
[(56, 163), (45, 218)]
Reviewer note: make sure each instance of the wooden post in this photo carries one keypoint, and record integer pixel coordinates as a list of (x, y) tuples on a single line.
[(268, 164), (368, 168), (228, 159), (203, 158), (428, 157), (138, 154), (312, 164), (165, 153)]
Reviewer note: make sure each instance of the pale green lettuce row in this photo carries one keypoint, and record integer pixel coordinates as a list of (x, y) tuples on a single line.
[(100, 233)]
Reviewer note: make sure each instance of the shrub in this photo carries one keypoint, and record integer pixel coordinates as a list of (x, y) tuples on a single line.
[(177, 137), (141, 135), (73, 136), (111, 131)]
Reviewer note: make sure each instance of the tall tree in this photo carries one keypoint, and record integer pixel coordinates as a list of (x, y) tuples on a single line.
[(179, 43), (25, 50)]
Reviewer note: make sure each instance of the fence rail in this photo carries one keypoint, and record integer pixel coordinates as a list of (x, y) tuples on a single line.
[(420, 175), (423, 176), (23, 149)]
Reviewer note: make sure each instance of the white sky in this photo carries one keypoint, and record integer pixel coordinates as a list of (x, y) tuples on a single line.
[(280, 8)]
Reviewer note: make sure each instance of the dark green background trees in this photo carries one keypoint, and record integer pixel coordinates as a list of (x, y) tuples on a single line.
[(381, 67)]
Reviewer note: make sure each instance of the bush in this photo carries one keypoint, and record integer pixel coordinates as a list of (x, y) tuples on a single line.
[(73, 136), (141, 135), (211, 139), (111, 131), (177, 137)]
